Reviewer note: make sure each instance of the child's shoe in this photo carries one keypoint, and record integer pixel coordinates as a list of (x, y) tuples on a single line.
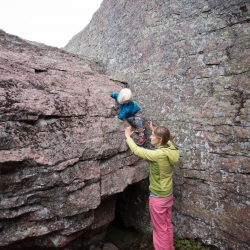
[(142, 139)]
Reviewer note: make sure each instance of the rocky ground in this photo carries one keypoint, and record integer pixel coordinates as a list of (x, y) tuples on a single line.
[(130, 239)]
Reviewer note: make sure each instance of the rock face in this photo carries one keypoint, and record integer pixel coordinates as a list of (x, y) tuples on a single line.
[(188, 65), (63, 156)]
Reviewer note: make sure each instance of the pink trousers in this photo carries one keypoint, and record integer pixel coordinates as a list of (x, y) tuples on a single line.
[(160, 212)]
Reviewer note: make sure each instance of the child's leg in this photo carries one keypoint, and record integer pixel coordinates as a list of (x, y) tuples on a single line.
[(139, 124), (131, 120), (137, 121), (140, 129)]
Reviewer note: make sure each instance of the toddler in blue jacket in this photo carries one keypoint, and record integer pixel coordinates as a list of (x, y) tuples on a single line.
[(131, 111)]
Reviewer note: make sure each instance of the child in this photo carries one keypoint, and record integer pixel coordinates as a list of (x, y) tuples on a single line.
[(131, 111)]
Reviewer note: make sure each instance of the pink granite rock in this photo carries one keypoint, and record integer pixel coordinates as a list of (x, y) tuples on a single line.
[(58, 134)]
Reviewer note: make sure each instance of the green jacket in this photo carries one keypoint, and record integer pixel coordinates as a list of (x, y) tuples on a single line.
[(162, 161)]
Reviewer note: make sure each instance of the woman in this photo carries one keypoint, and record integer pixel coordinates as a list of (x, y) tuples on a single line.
[(162, 161)]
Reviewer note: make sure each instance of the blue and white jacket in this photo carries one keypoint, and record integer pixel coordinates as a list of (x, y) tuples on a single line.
[(126, 110)]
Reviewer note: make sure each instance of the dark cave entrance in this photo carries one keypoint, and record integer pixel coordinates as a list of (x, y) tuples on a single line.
[(128, 229)]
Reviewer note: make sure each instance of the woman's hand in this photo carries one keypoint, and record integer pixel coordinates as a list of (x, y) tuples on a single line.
[(150, 124), (128, 132)]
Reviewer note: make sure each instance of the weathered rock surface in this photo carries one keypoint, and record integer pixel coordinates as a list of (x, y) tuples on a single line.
[(188, 64), (63, 156)]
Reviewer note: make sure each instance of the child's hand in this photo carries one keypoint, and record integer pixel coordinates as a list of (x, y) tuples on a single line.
[(128, 132), (150, 124)]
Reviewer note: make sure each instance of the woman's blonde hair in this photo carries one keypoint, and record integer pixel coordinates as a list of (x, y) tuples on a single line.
[(124, 95)]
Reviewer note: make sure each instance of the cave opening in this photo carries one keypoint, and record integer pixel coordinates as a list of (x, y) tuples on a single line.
[(130, 228)]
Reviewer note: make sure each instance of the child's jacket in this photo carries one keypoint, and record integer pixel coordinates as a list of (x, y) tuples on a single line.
[(126, 110), (162, 161)]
